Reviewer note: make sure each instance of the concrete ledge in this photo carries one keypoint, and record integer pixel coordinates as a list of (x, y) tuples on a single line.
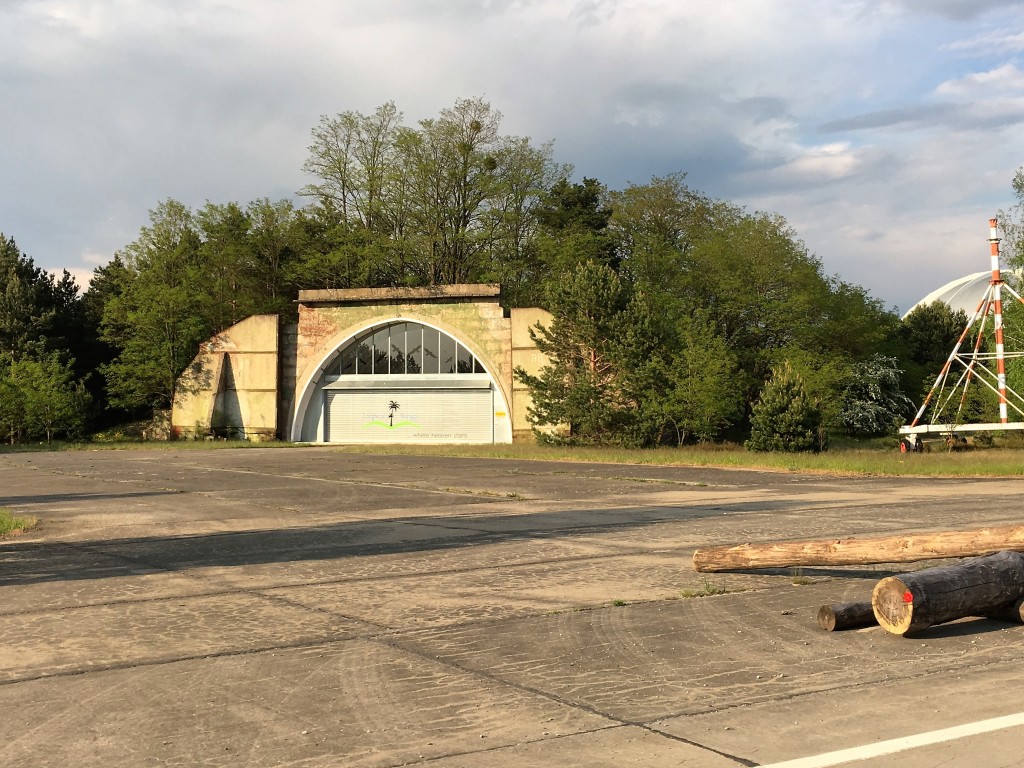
[(425, 294)]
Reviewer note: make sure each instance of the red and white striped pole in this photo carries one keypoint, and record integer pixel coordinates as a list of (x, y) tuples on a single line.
[(997, 303)]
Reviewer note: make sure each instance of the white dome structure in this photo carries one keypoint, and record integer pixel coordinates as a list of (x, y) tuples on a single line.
[(966, 292)]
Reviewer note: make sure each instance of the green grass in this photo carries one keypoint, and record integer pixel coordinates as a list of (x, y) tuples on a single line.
[(875, 458), (707, 589), (850, 459), (11, 525)]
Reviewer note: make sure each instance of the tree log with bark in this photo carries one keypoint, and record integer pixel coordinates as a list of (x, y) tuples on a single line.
[(845, 616), (906, 548), (981, 586)]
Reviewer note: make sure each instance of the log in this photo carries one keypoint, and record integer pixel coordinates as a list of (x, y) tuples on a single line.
[(981, 586), (1013, 612), (906, 548), (845, 616)]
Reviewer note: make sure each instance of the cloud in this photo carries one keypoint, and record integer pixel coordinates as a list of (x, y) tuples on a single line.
[(990, 43), (960, 10), (917, 114), (1006, 78), (851, 119)]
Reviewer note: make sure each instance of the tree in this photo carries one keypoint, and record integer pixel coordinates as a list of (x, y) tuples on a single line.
[(156, 321), (37, 311), (873, 401), (353, 156), (52, 401), (579, 393), (12, 405), (703, 393), (783, 418), (452, 198), (928, 335), (1012, 223), (657, 226)]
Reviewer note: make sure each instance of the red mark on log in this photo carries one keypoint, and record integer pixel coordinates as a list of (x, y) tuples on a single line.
[(907, 597)]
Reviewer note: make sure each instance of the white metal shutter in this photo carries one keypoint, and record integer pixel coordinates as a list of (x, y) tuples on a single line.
[(433, 415)]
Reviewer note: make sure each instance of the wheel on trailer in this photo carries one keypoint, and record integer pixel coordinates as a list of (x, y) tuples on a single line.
[(905, 445)]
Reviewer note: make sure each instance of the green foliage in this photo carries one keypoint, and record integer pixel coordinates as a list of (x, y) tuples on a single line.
[(40, 397), (580, 391), (873, 401), (784, 419), (670, 307), (573, 226), (1012, 223), (620, 374), (928, 335), (453, 197), (155, 321), (699, 392), (37, 311)]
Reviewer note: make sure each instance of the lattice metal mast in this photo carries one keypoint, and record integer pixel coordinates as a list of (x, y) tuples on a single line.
[(976, 366)]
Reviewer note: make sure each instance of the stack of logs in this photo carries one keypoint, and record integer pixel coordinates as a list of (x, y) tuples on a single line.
[(988, 585)]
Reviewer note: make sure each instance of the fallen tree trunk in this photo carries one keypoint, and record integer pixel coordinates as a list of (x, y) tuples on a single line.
[(845, 616), (886, 549), (1013, 612), (980, 586)]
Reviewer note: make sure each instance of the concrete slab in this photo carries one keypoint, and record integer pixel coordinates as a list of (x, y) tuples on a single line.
[(320, 607), (359, 703)]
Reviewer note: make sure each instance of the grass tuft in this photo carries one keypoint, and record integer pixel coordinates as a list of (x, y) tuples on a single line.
[(707, 589), (11, 525)]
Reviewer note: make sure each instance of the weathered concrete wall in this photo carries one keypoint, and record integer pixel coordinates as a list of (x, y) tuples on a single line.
[(231, 387), (479, 324), (256, 378), (525, 355), (289, 342)]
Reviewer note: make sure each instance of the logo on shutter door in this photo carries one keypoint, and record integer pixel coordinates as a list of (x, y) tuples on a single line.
[(390, 423)]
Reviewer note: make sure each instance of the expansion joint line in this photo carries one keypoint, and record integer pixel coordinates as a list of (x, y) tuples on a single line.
[(411, 649)]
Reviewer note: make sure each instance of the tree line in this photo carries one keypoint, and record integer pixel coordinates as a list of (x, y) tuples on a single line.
[(672, 310)]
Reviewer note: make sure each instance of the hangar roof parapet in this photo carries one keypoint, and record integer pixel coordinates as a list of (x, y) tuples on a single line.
[(422, 294)]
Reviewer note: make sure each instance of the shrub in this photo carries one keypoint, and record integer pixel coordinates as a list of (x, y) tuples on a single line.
[(783, 418)]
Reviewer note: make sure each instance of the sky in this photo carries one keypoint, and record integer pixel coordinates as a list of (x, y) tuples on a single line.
[(886, 132)]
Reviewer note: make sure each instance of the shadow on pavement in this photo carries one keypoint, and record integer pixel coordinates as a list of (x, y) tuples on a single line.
[(58, 498), (32, 562)]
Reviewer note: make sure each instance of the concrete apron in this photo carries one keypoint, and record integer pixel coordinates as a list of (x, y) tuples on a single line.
[(270, 607)]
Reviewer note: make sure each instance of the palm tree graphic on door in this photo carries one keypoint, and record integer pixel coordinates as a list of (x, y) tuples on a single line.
[(390, 423)]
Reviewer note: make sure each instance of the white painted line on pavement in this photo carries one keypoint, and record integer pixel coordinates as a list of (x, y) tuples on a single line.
[(903, 743)]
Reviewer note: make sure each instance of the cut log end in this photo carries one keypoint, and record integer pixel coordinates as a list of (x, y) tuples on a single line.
[(845, 616), (827, 618), (893, 605)]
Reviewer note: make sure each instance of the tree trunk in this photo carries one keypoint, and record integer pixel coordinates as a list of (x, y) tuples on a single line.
[(1013, 612), (887, 549), (980, 586), (845, 616)]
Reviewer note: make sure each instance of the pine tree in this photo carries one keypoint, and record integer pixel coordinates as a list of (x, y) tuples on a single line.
[(783, 418), (580, 393)]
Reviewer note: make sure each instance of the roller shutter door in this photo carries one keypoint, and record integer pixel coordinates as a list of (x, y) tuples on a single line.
[(432, 415)]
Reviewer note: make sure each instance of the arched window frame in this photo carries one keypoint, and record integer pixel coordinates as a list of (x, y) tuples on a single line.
[(403, 348)]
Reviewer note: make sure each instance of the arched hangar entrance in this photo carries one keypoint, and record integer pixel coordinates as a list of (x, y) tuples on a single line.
[(403, 382)]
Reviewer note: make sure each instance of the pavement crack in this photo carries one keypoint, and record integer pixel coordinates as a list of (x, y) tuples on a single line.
[(409, 648)]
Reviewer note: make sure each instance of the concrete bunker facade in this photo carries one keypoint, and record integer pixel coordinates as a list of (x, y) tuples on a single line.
[(373, 365)]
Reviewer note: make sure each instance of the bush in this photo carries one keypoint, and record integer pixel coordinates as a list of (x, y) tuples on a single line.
[(783, 418)]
